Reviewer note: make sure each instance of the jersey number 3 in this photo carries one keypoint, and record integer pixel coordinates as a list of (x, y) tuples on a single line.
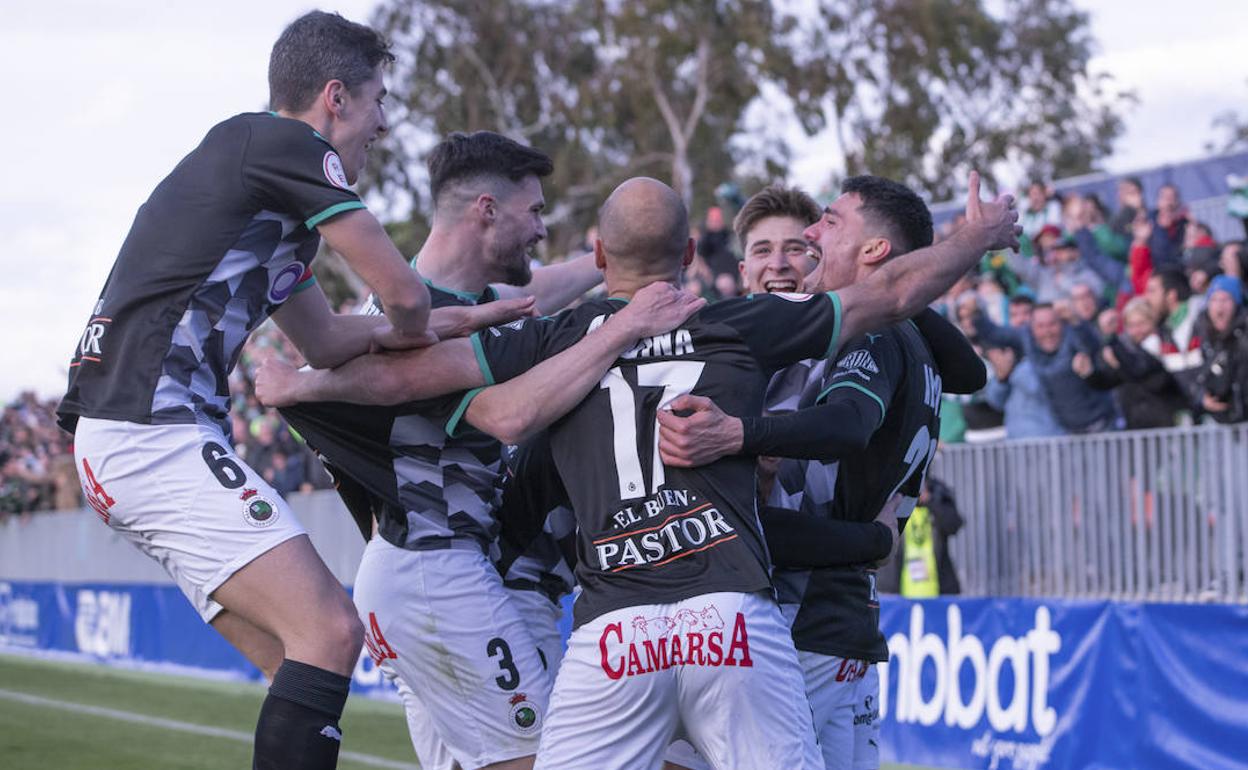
[(676, 378)]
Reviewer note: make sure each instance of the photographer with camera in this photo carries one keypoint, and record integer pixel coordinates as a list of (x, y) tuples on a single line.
[(1222, 383)]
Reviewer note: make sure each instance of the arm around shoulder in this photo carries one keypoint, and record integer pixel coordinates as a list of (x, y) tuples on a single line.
[(367, 248)]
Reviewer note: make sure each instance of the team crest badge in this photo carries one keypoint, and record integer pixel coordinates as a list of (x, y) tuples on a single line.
[(334, 171), (524, 714), (258, 510)]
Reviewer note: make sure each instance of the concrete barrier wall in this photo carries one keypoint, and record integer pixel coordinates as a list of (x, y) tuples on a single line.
[(76, 547)]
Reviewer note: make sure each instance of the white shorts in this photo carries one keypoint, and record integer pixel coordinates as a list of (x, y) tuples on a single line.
[(844, 698), (682, 754), (718, 669), (181, 495), (542, 616), (867, 721), (442, 622), (432, 753)]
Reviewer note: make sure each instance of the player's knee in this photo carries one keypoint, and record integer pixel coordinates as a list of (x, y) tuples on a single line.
[(351, 633), (341, 636)]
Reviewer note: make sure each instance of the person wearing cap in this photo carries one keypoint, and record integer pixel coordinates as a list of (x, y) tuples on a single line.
[(1223, 379)]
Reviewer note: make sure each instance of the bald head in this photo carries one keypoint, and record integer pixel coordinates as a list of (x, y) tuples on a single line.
[(644, 227)]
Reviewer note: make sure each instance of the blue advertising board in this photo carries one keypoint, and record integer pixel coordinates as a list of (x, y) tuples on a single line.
[(1017, 684), (133, 625), (1002, 684)]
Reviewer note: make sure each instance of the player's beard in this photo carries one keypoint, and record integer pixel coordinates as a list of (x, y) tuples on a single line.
[(516, 268)]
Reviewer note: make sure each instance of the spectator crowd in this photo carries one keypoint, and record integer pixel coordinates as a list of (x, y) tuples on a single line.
[(1112, 316), (37, 461), (1123, 317)]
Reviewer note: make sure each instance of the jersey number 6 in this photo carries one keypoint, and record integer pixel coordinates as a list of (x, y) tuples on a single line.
[(226, 470)]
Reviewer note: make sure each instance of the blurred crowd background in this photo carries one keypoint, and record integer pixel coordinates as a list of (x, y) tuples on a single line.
[(1115, 314)]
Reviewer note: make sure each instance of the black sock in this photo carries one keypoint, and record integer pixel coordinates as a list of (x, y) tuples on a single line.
[(298, 725)]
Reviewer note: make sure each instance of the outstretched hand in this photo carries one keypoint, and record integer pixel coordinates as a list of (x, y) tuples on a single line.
[(997, 219), (460, 321)]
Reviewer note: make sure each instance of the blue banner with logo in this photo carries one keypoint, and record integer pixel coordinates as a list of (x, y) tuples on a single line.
[(134, 625), (1003, 684), (1015, 684)]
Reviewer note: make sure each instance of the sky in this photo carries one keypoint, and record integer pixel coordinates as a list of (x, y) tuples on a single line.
[(109, 95)]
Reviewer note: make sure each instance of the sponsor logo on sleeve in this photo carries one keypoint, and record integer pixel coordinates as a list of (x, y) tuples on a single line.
[(334, 171), (285, 282), (858, 363)]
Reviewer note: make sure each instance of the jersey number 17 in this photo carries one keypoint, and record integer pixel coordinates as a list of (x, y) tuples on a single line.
[(676, 378)]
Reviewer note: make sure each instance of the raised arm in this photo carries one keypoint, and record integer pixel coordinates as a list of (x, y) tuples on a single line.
[(367, 248), (555, 286), (908, 283), (961, 369)]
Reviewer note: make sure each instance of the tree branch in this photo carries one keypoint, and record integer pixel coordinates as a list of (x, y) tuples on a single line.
[(702, 90)]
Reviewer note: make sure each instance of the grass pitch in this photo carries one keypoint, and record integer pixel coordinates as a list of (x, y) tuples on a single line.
[(62, 726), (75, 716)]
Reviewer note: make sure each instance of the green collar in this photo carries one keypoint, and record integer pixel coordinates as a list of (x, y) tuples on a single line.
[(472, 296)]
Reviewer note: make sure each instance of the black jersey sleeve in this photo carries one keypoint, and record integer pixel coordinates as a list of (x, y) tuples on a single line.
[(961, 369), (782, 329), (800, 535), (504, 352), (870, 368), (288, 167), (800, 541)]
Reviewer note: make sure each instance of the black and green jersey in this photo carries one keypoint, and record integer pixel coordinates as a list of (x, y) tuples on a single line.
[(435, 480), (537, 531), (648, 533), (221, 243), (835, 610)]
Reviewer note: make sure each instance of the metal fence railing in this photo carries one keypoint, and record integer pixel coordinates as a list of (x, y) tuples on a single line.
[(1156, 515)]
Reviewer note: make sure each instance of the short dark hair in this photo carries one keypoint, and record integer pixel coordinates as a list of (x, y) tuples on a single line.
[(898, 209), (1021, 298), (1174, 280), (1134, 181), (1094, 201), (463, 157), (319, 47), (774, 200)]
